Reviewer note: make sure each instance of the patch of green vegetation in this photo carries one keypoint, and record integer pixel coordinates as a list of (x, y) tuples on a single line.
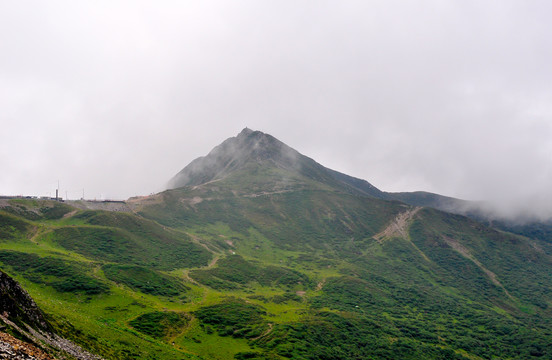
[(98, 243), (277, 299), (202, 339), (327, 335), (295, 220), (160, 324), (107, 333), (234, 271), (55, 211), (457, 243), (126, 246), (234, 317), (347, 293), (254, 355), (80, 283), (61, 275), (12, 227), (286, 297), (208, 279), (145, 280)]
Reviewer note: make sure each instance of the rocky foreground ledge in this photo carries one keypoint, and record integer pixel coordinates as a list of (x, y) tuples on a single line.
[(20, 315), (12, 348)]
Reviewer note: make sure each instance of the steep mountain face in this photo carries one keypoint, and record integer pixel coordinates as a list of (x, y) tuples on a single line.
[(18, 306), (258, 252), (20, 315), (391, 258), (234, 154), (253, 152)]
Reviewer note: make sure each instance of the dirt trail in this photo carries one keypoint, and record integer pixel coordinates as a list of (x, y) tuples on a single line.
[(38, 231), (398, 226), (69, 214), (197, 240), (186, 276), (320, 285), (264, 193), (213, 262), (265, 333)]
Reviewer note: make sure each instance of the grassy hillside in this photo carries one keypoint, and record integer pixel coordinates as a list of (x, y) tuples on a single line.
[(212, 273)]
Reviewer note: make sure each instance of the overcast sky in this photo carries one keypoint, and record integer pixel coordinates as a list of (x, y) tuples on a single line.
[(452, 97)]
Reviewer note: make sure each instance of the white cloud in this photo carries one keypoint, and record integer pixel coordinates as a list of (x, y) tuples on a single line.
[(116, 97)]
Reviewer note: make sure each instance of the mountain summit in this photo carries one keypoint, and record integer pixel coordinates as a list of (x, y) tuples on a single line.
[(248, 147), (270, 255), (274, 163), (255, 162)]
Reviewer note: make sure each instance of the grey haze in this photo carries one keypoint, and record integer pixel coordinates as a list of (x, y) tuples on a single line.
[(452, 97)]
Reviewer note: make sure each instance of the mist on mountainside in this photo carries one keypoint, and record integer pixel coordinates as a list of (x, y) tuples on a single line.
[(515, 210), (233, 153), (255, 147), (287, 258)]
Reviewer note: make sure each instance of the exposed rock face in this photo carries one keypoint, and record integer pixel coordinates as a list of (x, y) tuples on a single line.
[(12, 348), (19, 312), (18, 306)]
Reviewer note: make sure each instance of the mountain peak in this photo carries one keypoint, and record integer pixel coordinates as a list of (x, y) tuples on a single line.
[(271, 164), (248, 146), (245, 132)]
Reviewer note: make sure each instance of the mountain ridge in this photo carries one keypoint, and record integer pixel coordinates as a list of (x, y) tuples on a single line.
[(265, 254), (257, 147)]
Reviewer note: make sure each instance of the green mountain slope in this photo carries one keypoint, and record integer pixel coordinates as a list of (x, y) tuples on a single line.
[(527, 226), (261, 253), (261, 158)]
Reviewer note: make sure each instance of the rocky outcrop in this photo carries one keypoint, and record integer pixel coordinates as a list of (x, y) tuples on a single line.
[(18, 306), (22, 316), (15, 349)]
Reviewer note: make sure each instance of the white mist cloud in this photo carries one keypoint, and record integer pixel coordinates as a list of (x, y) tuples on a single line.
[(116, 97)]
